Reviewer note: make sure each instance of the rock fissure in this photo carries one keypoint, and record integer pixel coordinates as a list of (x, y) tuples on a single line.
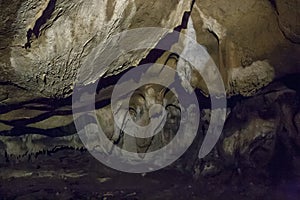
[(40, 22)]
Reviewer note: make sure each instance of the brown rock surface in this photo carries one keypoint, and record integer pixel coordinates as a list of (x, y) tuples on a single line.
[(254, 44)]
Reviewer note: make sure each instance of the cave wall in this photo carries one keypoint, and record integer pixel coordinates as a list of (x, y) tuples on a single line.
[(255, 45)]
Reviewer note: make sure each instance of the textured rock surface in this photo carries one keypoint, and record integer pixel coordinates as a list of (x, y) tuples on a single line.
[(288, 14), (239, 33), (64, 35), (255, 45)]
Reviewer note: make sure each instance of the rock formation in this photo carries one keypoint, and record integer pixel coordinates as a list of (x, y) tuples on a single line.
[(45, 46)]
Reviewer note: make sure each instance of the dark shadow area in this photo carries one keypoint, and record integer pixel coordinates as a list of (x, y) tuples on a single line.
[(46, 15)]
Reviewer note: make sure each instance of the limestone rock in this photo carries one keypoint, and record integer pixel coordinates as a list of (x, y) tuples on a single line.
[(289, 16), (46, 41), (254, 43)]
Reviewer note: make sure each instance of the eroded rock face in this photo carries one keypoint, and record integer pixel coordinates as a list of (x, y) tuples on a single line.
[(51, 38), (258, 132), (288, 16), (239, 34), (59, 35), (44, 43)]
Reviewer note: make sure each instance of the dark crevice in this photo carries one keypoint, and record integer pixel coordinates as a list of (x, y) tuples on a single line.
[(292, 81), (66, 130), (169, 40), (53, 105), (280, 165), (154, 54), (23, 122), (8, 83), (46, 15), (53, 132), (274, 5)]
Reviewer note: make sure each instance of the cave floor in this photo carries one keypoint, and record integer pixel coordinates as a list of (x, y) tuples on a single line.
[(70, 174)]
